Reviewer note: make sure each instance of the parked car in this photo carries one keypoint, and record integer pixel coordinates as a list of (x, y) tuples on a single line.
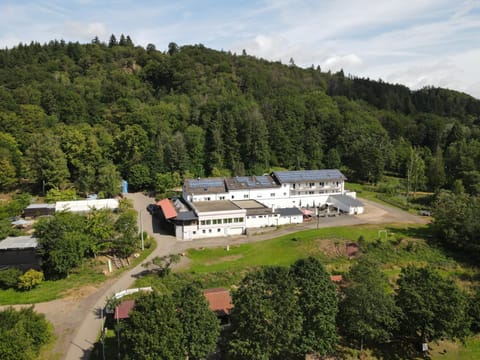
[(152, 208), (425, 213)]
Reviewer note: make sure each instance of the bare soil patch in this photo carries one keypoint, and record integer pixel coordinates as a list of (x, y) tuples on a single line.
[(224, 259)]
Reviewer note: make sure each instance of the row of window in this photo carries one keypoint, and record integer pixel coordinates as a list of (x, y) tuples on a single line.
[(222, 221), (312, 184), (209, 231)]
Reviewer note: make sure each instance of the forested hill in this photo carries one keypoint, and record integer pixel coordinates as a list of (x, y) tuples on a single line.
[(83, 115)]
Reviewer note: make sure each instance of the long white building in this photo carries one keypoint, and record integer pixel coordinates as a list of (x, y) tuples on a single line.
[(281, 189), (231, 205)]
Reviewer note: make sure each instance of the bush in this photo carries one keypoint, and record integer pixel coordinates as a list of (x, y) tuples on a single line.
[(30, 279), (9, 278)]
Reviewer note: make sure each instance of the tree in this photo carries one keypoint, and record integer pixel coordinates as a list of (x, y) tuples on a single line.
[(318, 304), (9, 278), (201, 328), (153, 330), (46, 162), (22, 334), (415, 172), (266, 320), (63, 243), (126, 232), (163, 264), (432, 307), (367, 311)]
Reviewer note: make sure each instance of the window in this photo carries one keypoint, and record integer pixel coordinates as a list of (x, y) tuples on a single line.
[(229, 221), (222, 198), (209, 230), (259, 195), (218, 230), (203, 231), (202, 222), (225, 221), (240, 219), (312, 184), (208, 222), (310, 192), (233, 197), (272, 195), (208, 198), (321, 183), (293, 186), (284, 194), (194, 232), (245, 196)]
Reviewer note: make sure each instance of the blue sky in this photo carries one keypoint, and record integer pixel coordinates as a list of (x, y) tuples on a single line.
[(416, 43)]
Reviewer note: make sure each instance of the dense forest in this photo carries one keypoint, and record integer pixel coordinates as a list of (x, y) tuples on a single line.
[(83, 116)]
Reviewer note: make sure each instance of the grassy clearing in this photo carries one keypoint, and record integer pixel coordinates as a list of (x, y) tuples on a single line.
[(90, 273), (447, 350)]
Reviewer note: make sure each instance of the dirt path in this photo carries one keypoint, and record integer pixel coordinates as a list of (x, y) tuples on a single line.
[(77, 319)]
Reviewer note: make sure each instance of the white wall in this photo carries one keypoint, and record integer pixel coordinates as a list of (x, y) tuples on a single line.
[(295, 219), (258, 221)]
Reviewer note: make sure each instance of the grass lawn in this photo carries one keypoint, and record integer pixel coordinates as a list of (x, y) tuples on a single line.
[(89, 273), (447, 350)]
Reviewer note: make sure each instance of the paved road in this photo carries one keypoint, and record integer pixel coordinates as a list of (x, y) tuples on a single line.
[(80, 342)]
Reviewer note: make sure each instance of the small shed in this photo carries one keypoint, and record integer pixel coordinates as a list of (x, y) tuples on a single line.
[(220, 302), (122, 311), (34, 210), (19, 252), (347, 204)]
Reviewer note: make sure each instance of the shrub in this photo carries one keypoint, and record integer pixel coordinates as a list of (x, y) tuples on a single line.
[(9, 278), (30, 279)]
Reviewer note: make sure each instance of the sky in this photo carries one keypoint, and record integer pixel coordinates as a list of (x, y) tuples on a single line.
[(412, 42)]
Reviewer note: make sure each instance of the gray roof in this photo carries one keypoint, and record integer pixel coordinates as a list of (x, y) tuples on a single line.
[(41, 206), (346, 200), (298, 176), (250, 182), (18, 242), (289, 211), (216, 205), (186, 215)]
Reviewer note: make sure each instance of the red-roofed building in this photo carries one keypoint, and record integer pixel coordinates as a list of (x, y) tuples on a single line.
[(220, 302), (336, 278), (122, 311), (168, 209)]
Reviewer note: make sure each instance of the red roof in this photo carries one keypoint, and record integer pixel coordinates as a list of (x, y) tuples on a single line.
[(219, 300), (122, 311), (336, 278), (167, 208)]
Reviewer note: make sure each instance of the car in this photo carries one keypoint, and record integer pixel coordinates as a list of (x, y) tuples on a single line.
[(425, 213), (152, 208)]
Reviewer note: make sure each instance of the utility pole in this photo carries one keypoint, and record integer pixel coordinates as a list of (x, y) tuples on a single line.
[(141, 229)]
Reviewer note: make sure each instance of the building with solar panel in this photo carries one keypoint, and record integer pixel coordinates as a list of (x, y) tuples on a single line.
[(281, 189), (232, 205)]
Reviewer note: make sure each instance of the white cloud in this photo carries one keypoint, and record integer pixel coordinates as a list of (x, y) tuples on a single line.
[(335, 63), (78, 30)]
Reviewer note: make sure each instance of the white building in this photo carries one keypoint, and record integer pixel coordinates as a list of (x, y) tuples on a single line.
[(86, 205), (281, 189), (231, 205)]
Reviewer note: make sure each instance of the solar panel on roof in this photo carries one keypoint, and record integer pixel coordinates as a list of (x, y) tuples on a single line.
[(206, 183), (307, 175)]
